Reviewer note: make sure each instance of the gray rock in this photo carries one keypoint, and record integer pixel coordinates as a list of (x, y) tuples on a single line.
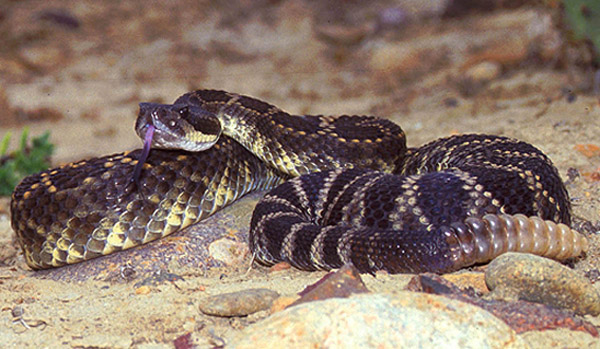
[(406, 319), (240, 303), (532, 278)]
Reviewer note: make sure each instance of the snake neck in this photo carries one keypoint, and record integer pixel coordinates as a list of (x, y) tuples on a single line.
[(299, 144), (236, 123)]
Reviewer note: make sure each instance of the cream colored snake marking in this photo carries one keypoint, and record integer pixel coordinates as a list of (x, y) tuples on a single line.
[(361, 196)]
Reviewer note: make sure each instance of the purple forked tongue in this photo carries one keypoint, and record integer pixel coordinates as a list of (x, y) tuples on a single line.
[(144, 155)]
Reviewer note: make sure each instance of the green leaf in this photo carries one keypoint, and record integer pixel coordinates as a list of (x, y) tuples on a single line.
[(4, 143), (28, 159), (583, 19)]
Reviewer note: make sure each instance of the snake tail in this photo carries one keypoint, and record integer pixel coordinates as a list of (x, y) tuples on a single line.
[(479, 240)]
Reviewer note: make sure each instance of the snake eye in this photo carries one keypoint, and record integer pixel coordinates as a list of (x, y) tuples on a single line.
[(184, 111), (172, 123)]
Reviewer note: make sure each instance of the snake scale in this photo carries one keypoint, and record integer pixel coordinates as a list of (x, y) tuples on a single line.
[(346, 190)]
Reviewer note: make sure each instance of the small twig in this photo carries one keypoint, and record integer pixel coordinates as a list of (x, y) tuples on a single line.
[(17, 313), (251, 264)]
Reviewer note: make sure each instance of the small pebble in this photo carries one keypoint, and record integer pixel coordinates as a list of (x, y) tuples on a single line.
[(342, 283), (240, 303), (484, 71), (397, 59), (588, 150), (184, 342), (532, 278), (142, 290), (228, 251), (280, 266), (468, 279)]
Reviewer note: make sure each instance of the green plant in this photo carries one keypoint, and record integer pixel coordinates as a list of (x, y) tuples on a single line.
[(583, 20), (26, 160)]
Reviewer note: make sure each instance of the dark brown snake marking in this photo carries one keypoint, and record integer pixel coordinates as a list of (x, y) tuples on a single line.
[(449, 204)]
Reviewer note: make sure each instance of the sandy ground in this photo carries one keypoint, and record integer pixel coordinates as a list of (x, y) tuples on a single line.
[(79, 70)]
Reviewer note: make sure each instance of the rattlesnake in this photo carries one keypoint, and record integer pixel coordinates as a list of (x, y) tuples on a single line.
[(361, 196)]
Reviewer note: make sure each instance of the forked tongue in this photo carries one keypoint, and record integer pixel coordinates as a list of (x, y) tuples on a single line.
[(144, 155)]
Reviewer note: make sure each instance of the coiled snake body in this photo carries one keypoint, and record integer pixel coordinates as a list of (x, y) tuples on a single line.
[(362, 196)]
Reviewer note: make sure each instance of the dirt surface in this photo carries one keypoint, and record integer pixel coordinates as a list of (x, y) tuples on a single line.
[(79, 69)]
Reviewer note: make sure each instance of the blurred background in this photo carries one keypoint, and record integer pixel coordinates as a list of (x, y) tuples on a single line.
[(78, 69), (73, 72)]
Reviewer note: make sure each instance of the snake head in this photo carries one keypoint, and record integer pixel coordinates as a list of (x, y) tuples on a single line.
[(178, 126)]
